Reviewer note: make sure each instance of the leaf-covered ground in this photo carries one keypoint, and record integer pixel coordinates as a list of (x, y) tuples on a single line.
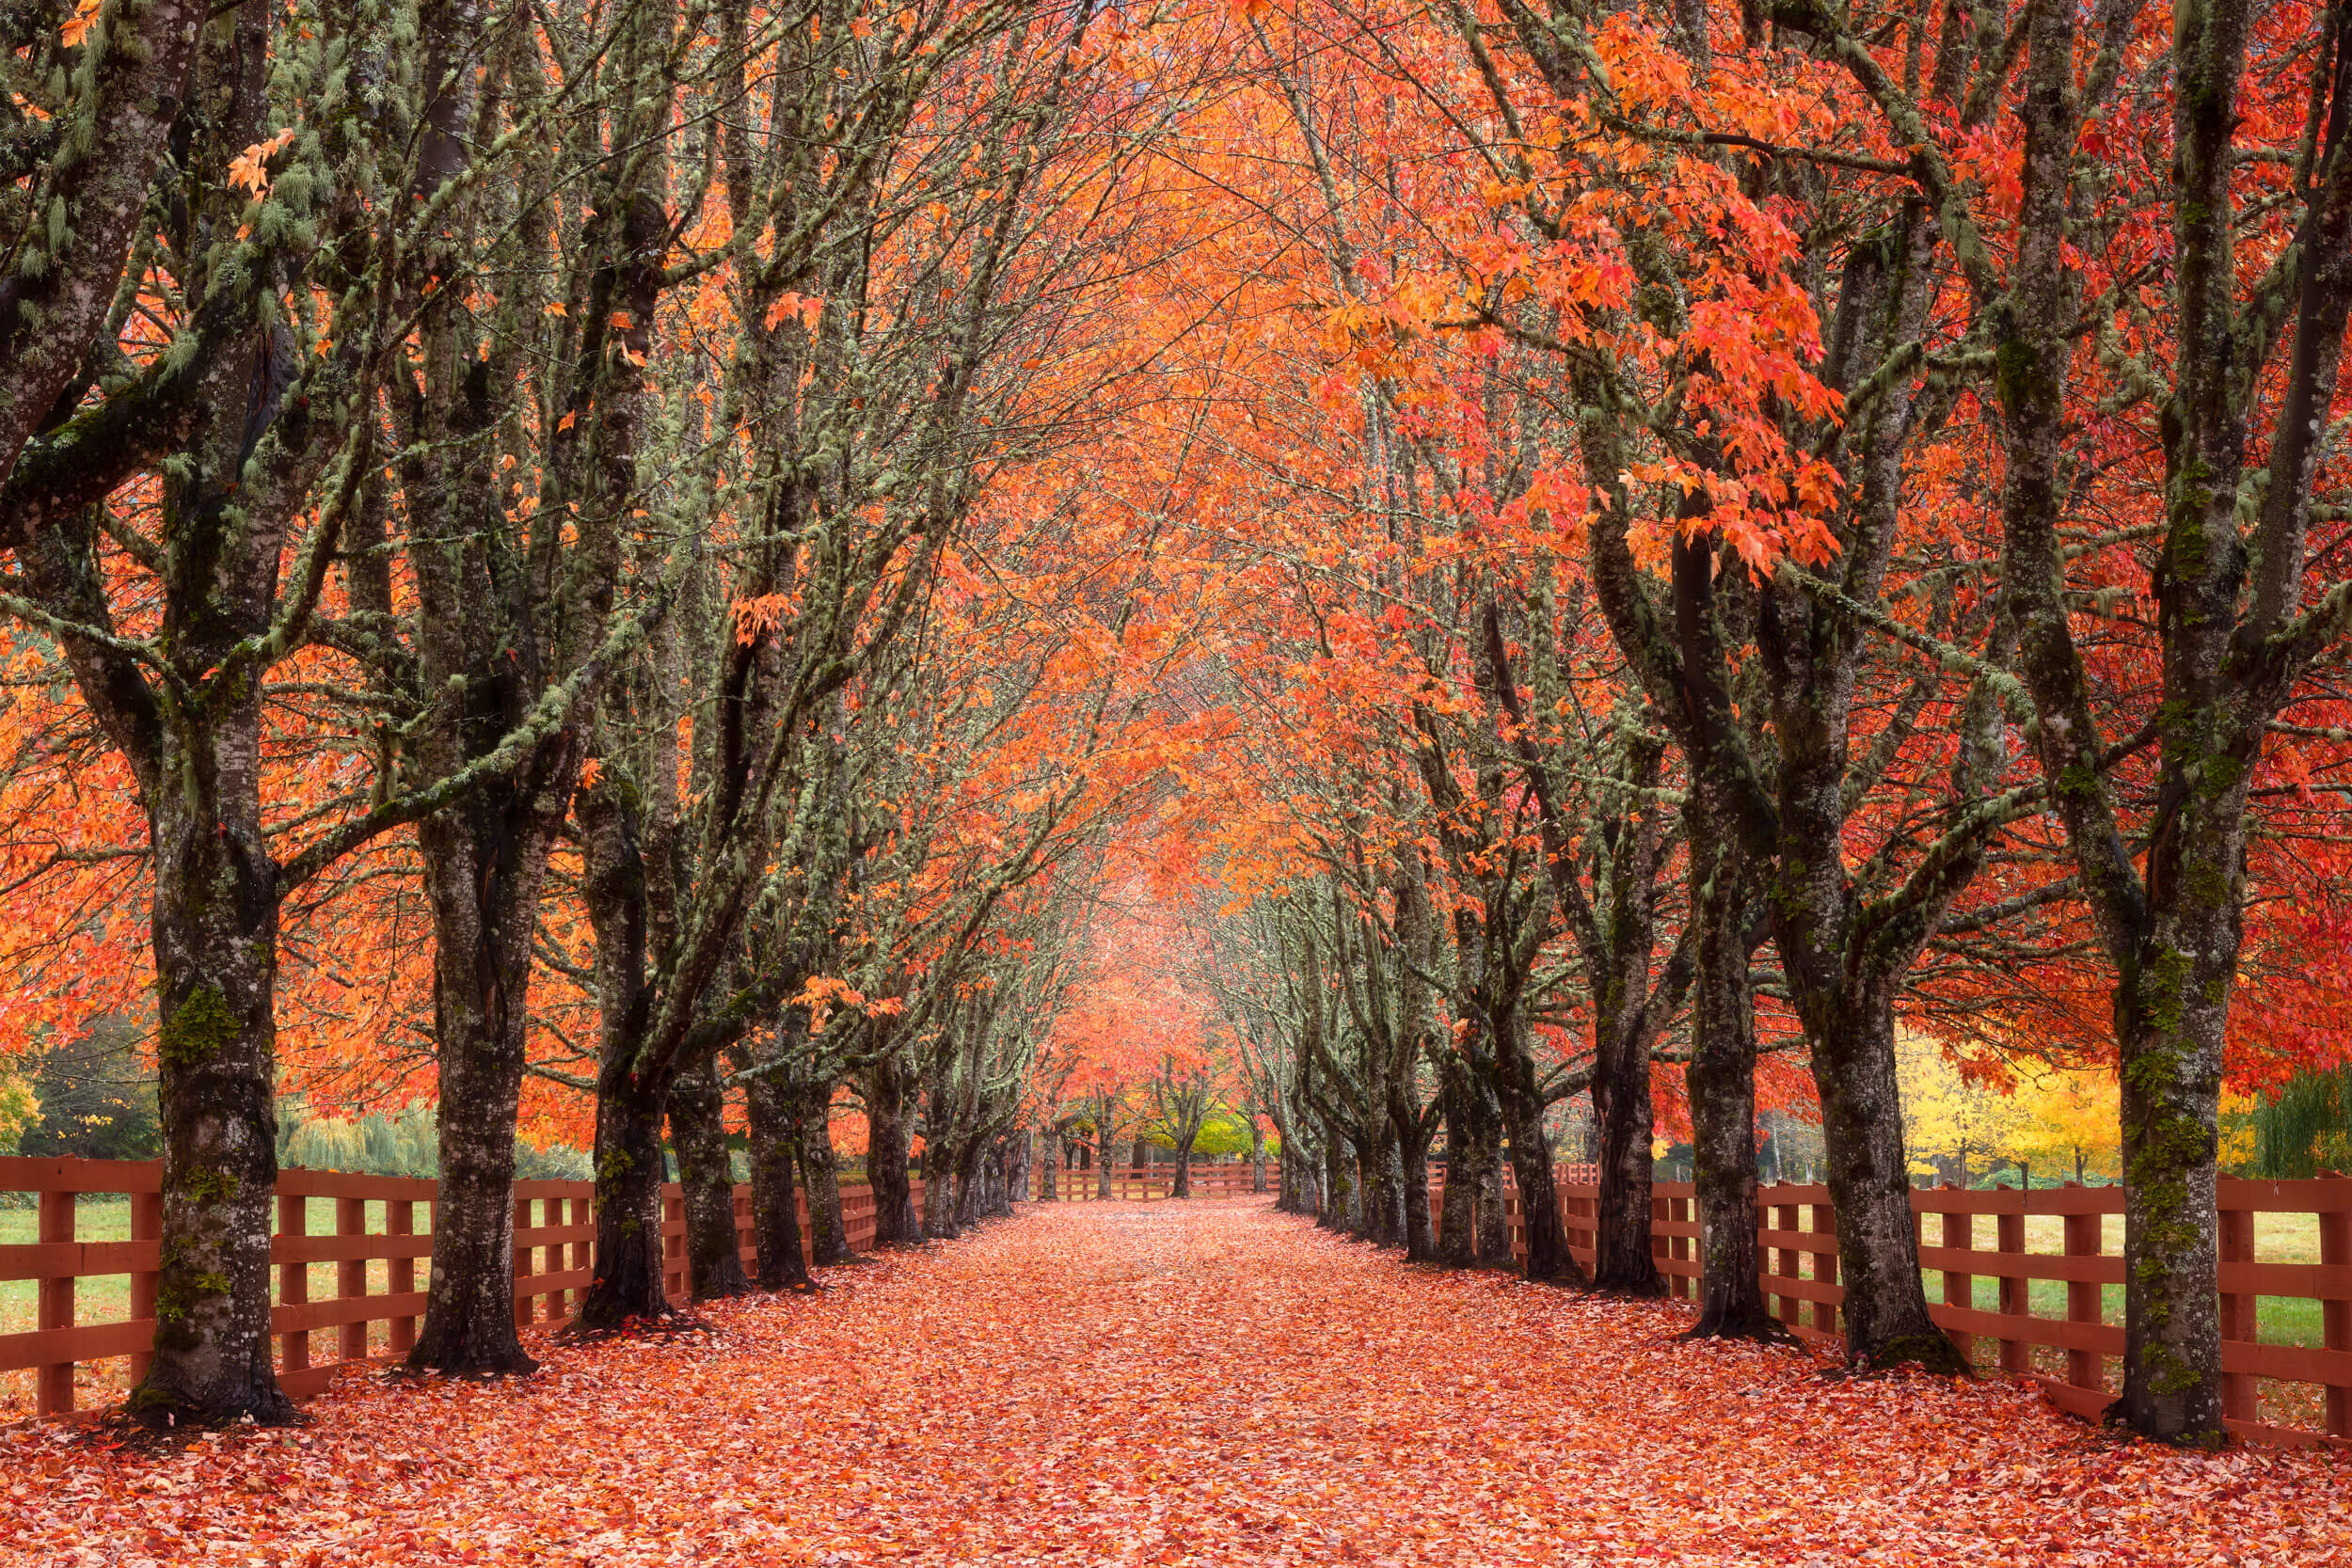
[(1209, 1382)]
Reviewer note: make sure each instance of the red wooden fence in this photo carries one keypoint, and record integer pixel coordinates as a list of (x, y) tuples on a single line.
[(380, 1245), (2271, 1392), (1150, 1182), (369, 1313)]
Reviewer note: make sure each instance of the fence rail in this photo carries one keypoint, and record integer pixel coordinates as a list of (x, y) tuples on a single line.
[(1150, 1182), (2271, 1392), (352, 1253), (378, 1245)]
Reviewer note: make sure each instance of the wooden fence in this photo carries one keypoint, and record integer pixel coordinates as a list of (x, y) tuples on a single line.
[(378, 1243), (2272, 1392), (379, 1247), (1150, 1182)]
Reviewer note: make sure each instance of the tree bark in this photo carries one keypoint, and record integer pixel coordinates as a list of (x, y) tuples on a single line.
[(1547, 1256), (1342, 1204), (1016, 1187), (895, 1223), (1457, 1204), (628, 1287), (820, 1175), (714, 1257), (215, 919), (1722, 1081), (940, 1159), (1421, 1244), (774, 1138), (1386, 1224), (1624, 1259), (485, 864), (1885, 1313)]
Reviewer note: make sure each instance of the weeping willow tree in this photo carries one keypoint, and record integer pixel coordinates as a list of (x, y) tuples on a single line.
[(2306, 1127)]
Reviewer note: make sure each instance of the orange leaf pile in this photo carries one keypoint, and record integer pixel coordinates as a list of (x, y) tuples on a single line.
[(1179, 1384)]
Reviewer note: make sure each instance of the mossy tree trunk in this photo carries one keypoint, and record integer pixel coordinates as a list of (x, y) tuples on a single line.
[(714, 1259), (773, 1135), (1722, 1086), (896, 1222), (828, 1237), (627, 1289), (214, 920), (484, 862)]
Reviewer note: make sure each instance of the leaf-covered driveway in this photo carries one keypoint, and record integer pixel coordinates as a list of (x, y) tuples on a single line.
[(1207, 1383)]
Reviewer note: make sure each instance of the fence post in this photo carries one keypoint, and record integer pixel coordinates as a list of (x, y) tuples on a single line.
[(1959, 1290), (400, 1274), (674, 1247), (2016, 1356), (147, 1224), (294, 1277), (2084, 1239), (53, 1387), (1659, 1251), (526, 1264), (1825, 1265), (2335, 1312), (582, 1212), (2239, 1401), (351, 1277), (1786, 1264)]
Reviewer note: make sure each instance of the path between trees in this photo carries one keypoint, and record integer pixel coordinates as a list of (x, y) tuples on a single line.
[(1203, 1383)]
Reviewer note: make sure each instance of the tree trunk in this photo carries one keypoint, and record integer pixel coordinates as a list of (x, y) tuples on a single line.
[(714, 1257), (773, 1137), (1386, 1225), (1722, 1085), (1049, 1168), (485, 913), (1547, 1256), (1885, 1313), (820, 1176), (1624, 1259), (971, 1182), (1457, 1204), (1183, 1187), (1421, 1246), (1297, 1182), (628, 1287), (895, 1223), (1342, 1204), (485, 862), (2172, 1012), (1490, 1221), (215, 919), (482, 880), (938, 1189), (1256, 1158)]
